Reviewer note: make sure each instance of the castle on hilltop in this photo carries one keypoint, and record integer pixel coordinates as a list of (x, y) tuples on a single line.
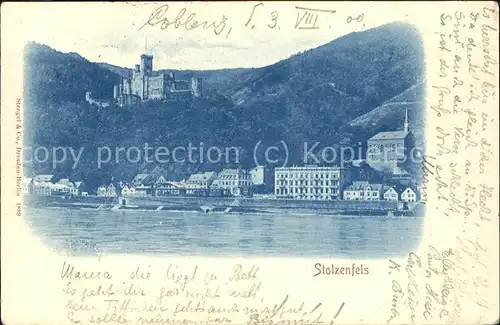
[(145, 84)]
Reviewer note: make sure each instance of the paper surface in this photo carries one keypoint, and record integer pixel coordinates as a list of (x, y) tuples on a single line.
[(300, 263)]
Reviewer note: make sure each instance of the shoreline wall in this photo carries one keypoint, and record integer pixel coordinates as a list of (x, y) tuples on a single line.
[(223, 202), (340, 205)]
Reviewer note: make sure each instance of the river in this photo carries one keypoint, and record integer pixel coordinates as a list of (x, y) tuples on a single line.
[(93, 232)]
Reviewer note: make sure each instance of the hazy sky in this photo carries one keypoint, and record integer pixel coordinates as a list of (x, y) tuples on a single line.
[(106, 32)]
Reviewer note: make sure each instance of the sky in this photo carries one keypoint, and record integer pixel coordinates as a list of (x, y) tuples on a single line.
[(254, 34)]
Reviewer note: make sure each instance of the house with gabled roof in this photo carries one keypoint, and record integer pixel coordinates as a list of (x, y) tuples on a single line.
[(26, 185), (201, 180), (236, 180), (66, 186), (145, 182), (363, 191), (110, 190), (410, 195), (169, 188), (128, 190), (79, 187), (390, 193), (43, 184)]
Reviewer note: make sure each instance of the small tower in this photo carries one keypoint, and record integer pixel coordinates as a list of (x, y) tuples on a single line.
[(146, 60), (196, 86), (406, 125), (146, 64)]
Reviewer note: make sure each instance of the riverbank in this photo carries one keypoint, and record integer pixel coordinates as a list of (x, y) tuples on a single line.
[(226, 205)]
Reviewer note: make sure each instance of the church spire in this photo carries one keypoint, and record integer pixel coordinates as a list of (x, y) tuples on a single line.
[(406, 125)]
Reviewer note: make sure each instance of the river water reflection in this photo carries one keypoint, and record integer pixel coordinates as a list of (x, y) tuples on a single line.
[(89, 232)]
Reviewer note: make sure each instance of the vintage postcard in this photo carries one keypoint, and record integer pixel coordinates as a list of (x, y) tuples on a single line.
[(247, 163)]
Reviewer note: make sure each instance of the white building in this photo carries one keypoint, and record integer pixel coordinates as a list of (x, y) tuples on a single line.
[(26, 185), (169, 188), (310, 182), (108, 191), (145, 182), (363, 191), (409, 195), (128, 190), (237, 181), (258, 175), (42, 184), (391, 193), (64, 185), (80, 187), (201, 180), (101, 191)]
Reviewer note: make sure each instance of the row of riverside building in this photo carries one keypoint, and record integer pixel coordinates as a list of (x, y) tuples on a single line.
[(335, 183), (47, 185), (385, 150), (296, 183), (228, 182), (293, 183)]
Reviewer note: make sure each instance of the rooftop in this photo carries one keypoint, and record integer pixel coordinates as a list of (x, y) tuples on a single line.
[(363, 186), (43, 178), (232, 171), (313, 167), (201, 176), (392, 135)]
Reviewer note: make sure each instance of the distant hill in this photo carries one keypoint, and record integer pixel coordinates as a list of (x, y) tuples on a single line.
[(370, 66), (52, 76), (340, 93)]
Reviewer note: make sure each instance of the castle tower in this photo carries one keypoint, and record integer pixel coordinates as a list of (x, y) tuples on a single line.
[(406, 125), (126, 86), (196, 86), (146, 64), (146, 60)]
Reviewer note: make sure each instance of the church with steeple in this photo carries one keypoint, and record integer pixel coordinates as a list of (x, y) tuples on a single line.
[(386, 149)]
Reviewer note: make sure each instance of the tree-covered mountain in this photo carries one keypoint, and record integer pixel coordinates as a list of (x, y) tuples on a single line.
[(325, 95)]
